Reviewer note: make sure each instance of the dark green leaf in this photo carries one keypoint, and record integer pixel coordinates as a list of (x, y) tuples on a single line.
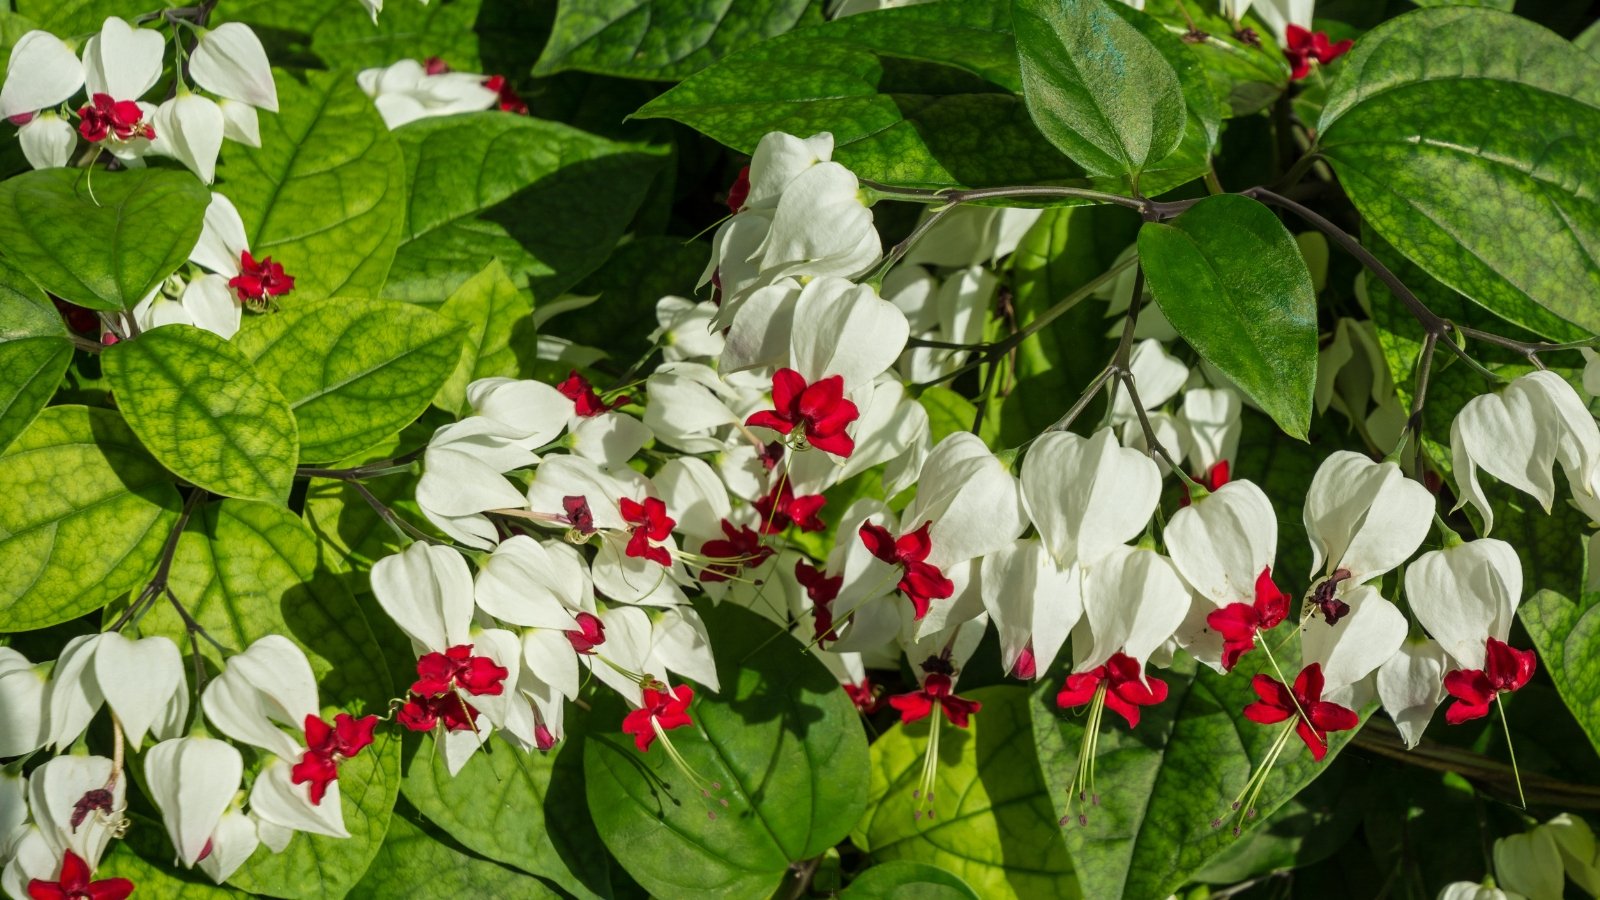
[(86, 514), (1096, 87), (782, 739), (353, 371), (77, 17), (34, 352), (1161, 785), (1565, 633), (902, 880), (1244, 77), (414, 864), (662, 40), (1464, 160), (547, 200), (247, 570), (924, 95), (349, 39), (205, 412), (523, 809), (325, 193), (1589, 40), (641, 272), (498, 320), (103, 239), (1231, 280), (993, 825)]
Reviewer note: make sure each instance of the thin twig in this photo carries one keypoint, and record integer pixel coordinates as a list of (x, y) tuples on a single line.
[(169, 550), (370, 470)]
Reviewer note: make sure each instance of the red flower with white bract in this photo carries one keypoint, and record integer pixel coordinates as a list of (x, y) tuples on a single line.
[(326, 747), (920, 581), (73, 884), (590, 633), (660, 711), (437, 696), (586, 401), (650, 525), (780, 508), (936, 692), (1121, 684), (1505, 669), (1239, 622), (1315, 716), (739, 548), (820, 411), (102, 118), (822, 591)]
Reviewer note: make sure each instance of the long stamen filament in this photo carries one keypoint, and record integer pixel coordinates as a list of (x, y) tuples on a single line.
[(1244, 806), (1516, 773), (930, 771), (704, 785), (1082, 788)]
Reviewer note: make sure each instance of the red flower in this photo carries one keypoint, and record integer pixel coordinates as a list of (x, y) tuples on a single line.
[(509, 101), (1125, 691), (591, 633), (864, 696), (422, 713), (662, 710), (822, 590), (257, 281), (1026, 666), (920, 581), (1304, 46), (433, 65), (935, 690), (442, 673), (1505, 668), (1278, 703), (326, 747), (1211, 480), (740, 191), (779, 508), (1239, 622), (103, 117), (74, 884), (820, 410), (579, 514), (741, 549), (585, 399), (650, 525)]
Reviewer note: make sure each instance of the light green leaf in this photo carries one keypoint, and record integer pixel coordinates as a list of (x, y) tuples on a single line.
[(1231, 280), (500, 337), (349, 39), (924, 95), (782, 739), (992, 823), (1162, 785), (325, 193), (1502, 5), (662, 40), (34, 353), (247, 570), (100, 239), (412, 863), (79, 17), (545, 199), (205, 412), (86, 514), (1589, 40), (1565, 634), (1464, 160), (1096, 87), (353, 371), (522, 809), (902, 880)]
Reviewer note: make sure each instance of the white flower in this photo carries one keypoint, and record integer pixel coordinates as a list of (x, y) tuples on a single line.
[(268, 685), (1133, 601), (1280, 14), (43, 72), (48, 141), (1222, 544), (1529, 864), (527, 582), (205, 302), (1411, 686), (230, 62), (405, 92), (55, 792), (1519, 434), (1363, 518), (192, 781), (1087, 495), (22, 706), (685, 330), (122, 61), (427, 590), (969, 235), (232, 842), (1466, 594), (1033, 604), (189, 129), (1209, 427)]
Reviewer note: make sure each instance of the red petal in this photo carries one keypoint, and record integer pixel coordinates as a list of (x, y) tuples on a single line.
[(1265, 713), (914, 546), (637, 723), (913, 706), (1272, 692), (958, 709), (878, 541), (840, 414), (319, 735), (1079, 689), (632, 511), (840, 445), (787, 386), (818, 401), (1308, 684), (769, 419), (1332, 717), (1506, 667), (74, 871), (1314, 740), (110, 889), (1271, 604), (1128, 711)]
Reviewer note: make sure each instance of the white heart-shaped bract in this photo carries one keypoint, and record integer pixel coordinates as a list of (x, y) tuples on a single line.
[(1087, 495), (1411, 686), (1364, 517), (1029, 600), (43, 72), (1355, 646), (1133, 601), (521, 583), (230, 62), (1465, 595), (427, 590), (138, 679), (192, 781), (275, 798), (1222, 542), (122, 61)]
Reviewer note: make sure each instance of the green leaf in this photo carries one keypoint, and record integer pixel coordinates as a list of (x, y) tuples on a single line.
[(1565, 633), (500, 338), (412, 863), (992, 824), (662, 40), (1062, 251), (34, 353), (924, 95), (349, 39), (324, 194), (353, 371), (522, 809), (782, 739), (205, 412), (1162, 784), (103, 239), (86, 513), (641, 272), (1589, 40), (547, 200), (78, 17), (1461, 192), (1245, 78), (1231, 280), (1096, 87), (902, 880), (247, 570)]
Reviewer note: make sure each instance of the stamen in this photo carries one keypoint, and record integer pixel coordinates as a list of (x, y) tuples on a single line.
[(930, 772), (708, 788), (1082, 788), (1244, 806)]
